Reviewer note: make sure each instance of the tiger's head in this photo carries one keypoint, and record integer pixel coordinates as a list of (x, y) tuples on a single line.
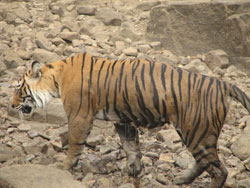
[(35, 89)]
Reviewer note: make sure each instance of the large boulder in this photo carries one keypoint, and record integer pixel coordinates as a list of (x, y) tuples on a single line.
[(197, 26), (34, 176)]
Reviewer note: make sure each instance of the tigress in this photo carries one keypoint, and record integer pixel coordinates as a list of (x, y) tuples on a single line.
[(134, 93)]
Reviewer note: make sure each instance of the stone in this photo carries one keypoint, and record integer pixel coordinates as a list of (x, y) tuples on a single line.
[(3, 67), (86, 10), (34, 176), (146, 6), (240, 146), (220, 23), (144, 48), (196, 65), (11, 59), (109, 16), (24, 127), (244, 183), (119, 45), (6, 153), (44, 56), (68, 35), (95, 140), (42, 42), (127, 31), (156, 45), (168, 135), (130, 51), (162, 179), (127, 185), (217, 58)]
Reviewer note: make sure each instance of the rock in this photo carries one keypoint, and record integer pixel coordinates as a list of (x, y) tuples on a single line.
[(11, 60), (240, 146), (24, 127), (220, 23), (217, 58), (7, 153), (127, 31), (94, 141), (156, 45), (68, 35), (162, 179), (196, 65), (168, 135), (34, 176), (86, 10), (127, 185), (42, 42), (44, 56), (3, 67), (109, 17), (119, 45), (244, 183), (145, 6), (144, 48), (130, 51)]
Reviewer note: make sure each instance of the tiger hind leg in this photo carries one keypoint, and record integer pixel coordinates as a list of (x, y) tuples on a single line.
[(206, 160), (130, 142)]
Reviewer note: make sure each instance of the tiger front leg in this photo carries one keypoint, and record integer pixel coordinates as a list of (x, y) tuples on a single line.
[(130, 142), (79, 129)]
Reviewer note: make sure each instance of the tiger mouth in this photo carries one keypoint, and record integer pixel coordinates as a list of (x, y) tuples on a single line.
[(26, 109)]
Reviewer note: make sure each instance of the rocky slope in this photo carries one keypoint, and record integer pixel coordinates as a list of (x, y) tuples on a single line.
[(51, 30)]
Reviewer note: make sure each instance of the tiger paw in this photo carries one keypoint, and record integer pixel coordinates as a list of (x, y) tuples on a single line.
[(133, 168)]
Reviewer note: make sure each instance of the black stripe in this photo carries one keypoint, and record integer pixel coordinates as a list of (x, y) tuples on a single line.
[(196, 126), (134, 67), (81, 91), (202, 136), (196, 154), (179, 82), (142, 76), (56, 84), (114, 100), (189, 88), (126, 87), (195, 77), (222, 101), (216, 103), (113, 66), (155, 96), (72, 60), (128, 107), (90, 81), (163, 81), (121, 74), (107, 97), (64, 61), (174, 96), (106, 77), (164, 110), (98, 82), (186, 137), (141, 102)]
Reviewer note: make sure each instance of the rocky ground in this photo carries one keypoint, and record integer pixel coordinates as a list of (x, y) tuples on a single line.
[(51, 30)]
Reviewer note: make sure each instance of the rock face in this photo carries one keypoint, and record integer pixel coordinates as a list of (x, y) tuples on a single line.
[(192, 27), (34, 176)]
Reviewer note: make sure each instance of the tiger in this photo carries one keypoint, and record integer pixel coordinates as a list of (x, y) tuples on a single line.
[(134, 93)]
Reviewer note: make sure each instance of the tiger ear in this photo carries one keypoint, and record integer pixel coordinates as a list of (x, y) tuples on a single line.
[(36, 69)]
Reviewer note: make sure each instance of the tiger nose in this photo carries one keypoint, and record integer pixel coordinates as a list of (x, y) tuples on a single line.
[(13, 105)]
